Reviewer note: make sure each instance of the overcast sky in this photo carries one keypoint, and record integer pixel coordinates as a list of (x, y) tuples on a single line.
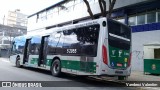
[(27, 7)]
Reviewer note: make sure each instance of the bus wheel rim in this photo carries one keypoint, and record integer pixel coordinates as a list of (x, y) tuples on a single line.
[(56, 68)]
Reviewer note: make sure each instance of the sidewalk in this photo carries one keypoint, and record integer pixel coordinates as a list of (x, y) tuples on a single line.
[(140, 76), (3, 58)]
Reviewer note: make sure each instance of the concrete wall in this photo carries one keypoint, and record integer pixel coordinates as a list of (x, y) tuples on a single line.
[(4, 53), (138, 40)]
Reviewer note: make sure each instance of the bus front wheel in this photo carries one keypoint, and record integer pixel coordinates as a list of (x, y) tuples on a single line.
[(56, 68), (18, 62)]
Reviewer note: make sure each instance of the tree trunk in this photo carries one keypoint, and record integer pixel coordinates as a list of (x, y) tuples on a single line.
[(110, 8), (89, 9)]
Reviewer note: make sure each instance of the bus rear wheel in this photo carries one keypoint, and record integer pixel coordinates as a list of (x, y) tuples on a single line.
[(122, 77), (18, 62), (56, 68)]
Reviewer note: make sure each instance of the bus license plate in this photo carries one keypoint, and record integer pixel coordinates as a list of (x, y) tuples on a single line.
[(119, 72)]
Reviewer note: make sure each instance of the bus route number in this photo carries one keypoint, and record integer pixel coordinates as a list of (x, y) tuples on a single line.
[(71, 50)]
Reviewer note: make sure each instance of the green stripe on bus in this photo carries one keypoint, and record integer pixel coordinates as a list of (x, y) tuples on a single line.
[(70, 64), (79, 65), (34, 61)]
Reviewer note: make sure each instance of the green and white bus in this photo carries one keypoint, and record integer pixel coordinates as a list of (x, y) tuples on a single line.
[(96, 47)]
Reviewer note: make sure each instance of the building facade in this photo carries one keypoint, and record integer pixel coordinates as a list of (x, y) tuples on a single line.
[(16, 25), (142, 15), (17, 19), (7, 34)]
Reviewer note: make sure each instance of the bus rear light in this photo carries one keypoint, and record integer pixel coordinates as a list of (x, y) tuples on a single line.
[(129, 61), (104, 54)]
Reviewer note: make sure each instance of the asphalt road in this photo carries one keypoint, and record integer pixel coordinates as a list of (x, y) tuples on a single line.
[(8, 72)]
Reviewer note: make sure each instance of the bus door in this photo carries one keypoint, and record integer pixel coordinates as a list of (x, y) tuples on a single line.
[(26, 51), (43, 51)]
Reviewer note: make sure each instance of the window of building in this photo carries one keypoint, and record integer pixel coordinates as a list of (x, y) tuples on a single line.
[(1, 33), (0, 41), (69, 4), (132, 21), (43, 16), (151, 17), (159, 16), (6, 42), (141, 19), (50, 13), (156, 53)]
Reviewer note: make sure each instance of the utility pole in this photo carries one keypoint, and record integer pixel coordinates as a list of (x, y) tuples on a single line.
[(3, 19)]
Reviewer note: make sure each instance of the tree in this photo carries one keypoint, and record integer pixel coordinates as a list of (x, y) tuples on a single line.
[(111, 5), (102, 5), (89, 9)]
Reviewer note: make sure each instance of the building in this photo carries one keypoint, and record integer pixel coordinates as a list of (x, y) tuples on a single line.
[(16, 25), (17, 19), (142, 15), (13, 25), (7, 34)]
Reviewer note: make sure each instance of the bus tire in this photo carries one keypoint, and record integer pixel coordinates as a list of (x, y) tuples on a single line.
[(56, 68), (122, 77), (18, 62)]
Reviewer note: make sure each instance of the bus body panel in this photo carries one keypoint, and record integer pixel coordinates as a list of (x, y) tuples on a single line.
[(79, 64), (115, 72), (119, 45), (12, 59)]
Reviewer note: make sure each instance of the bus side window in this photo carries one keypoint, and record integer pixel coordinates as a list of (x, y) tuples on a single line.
[(54, 43), (71, 45), (90, 39), (59, 49), (35, 45)]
